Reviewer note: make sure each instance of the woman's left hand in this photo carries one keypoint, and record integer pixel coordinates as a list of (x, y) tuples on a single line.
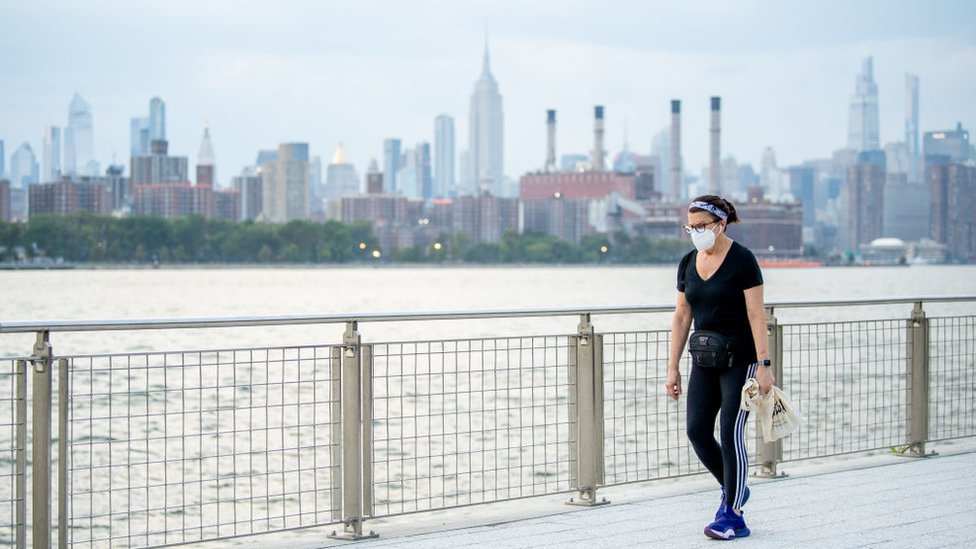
[(765, 378)]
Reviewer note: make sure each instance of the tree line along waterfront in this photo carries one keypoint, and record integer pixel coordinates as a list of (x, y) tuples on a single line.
[(87, 238)]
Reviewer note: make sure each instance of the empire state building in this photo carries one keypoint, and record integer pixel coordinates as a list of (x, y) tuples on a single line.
[(486, 127)]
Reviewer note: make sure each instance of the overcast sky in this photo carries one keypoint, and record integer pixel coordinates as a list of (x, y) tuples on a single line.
[(265, 72)]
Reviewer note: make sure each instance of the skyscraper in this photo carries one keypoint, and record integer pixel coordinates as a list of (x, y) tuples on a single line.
[(340, 178), (443, 156), (911, 125), (51, 154), (285, 184), (157, 119), (863, 133), (485, 135), (865, 195), (206, 163), (79, 140), (23, 167), (3, 166), (391, 165), (138, 136), (158, 166), (425, 182)]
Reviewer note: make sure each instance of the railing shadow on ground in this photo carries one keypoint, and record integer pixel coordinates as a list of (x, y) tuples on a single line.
[(179, 446)]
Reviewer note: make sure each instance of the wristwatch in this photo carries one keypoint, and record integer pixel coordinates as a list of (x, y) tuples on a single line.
[(766, 362)]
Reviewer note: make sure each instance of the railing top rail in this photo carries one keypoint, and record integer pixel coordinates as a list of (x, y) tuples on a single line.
[(291, 320)]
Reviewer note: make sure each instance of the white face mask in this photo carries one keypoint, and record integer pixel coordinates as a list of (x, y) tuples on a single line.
[(704, 240)]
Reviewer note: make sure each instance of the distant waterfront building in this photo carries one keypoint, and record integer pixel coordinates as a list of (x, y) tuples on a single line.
[(771, 229), (947, 146), (485, 218), (4, 200), (374, 178), (227, 204), (341, 178), (865, 196), (316, 187), (249, 188), (485, 136), (953, 201), (391, 165), (5, 196), (285, 195), (52, 154), (69, 196), (206, 162), (24, 170), (911, 126), (769, 177), (158, 166), (444, 184), (425, 179), (172, 200), (157, 119), (661, 148), (120, 185), (906, 208), (406, 176), (863, 130), (567, 219), (802, 183), (139, 136), (79, 139)]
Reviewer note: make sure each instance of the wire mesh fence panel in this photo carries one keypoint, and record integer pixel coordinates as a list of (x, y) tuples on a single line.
[(458, 422), (848, 380), (12, 450), (952, 377), (175, 447), (644, 429)]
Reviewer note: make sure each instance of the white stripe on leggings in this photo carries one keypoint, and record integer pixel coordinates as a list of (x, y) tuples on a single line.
[(741, 456)]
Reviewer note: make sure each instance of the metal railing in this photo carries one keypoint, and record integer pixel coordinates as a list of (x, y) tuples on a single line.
[(170, 447)]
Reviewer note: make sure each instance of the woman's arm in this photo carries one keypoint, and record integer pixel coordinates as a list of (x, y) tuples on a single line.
[(756, 310), (680, 324)]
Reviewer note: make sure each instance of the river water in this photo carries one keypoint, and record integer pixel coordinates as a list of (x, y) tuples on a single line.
[(233, 292)]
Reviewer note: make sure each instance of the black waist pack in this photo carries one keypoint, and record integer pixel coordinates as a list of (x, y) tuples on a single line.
[(710, 349)]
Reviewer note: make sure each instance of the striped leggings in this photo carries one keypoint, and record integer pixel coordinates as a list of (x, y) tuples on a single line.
[(716, 392)]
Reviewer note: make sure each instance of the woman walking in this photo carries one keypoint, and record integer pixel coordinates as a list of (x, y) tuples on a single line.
[(720, 288)]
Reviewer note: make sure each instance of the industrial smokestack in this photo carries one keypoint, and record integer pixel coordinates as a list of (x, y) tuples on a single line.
[(598, 165), (675, 150), (550, 141), (715, 166)]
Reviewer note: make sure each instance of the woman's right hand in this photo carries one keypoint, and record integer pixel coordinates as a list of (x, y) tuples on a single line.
[(673, 384)]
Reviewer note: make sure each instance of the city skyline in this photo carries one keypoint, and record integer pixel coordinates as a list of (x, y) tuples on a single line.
[(370, 74)]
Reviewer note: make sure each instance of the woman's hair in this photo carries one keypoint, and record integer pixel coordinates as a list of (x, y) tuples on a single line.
[(718, 202)]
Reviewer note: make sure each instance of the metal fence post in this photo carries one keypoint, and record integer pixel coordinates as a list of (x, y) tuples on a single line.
[(41, 437), (354, 457), (63, 444), (21, 483), (769, 454), (917, 339), (587, 357)]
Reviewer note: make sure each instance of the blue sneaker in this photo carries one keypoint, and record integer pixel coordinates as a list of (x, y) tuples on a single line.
[(728, 526), (721, 506)]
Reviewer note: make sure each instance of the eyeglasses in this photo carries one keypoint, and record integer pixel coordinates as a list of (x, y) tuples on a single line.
[(699, 228)]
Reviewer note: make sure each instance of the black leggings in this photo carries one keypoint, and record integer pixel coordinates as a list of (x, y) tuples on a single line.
[(711, 392)]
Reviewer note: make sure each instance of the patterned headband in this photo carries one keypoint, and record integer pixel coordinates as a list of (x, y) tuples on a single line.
[(710, 208)]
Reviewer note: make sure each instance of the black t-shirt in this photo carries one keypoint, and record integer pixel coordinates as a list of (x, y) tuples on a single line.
[(718, 304)]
